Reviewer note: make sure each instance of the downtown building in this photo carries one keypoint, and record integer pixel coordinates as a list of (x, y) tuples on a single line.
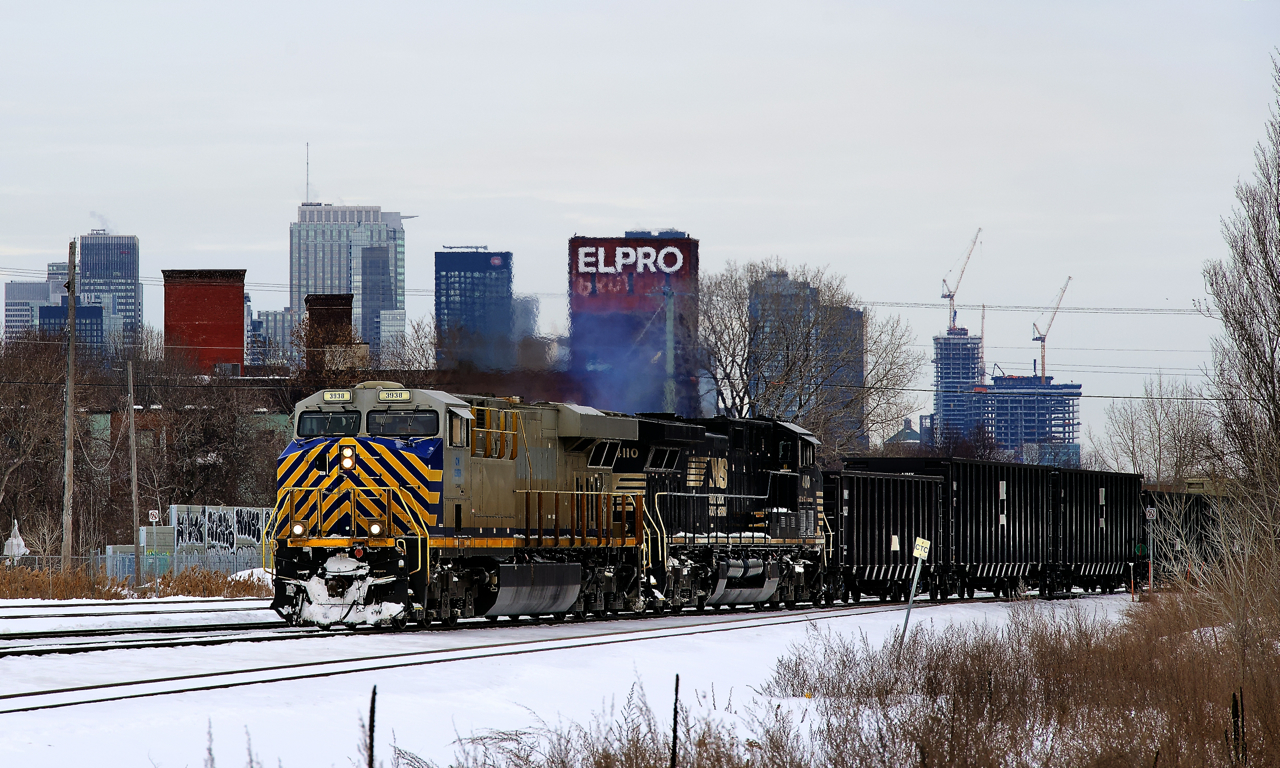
[(475, 309), (108, 277), (23, 299), (343, 249), (819, 349)]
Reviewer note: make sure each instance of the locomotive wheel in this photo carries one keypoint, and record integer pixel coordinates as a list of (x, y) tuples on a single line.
[(701, 605), (970, 591)]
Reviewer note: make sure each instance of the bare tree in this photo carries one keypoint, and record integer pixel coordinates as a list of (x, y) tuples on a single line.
[(1165, 435), (415, 350), (1234, 568), (794, 343)]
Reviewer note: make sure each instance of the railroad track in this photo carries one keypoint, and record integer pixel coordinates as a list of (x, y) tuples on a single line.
[(55, 698), (223, 634)]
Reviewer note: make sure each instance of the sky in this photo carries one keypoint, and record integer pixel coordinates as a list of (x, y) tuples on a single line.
[(1093, 140)]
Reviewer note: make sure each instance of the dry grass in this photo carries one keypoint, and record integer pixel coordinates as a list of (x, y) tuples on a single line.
[(84, 583), (1049, 688), (1068, 690), (197, 582), (77, 583)]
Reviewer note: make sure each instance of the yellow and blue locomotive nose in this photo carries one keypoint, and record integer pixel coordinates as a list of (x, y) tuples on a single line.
[(338, 492)]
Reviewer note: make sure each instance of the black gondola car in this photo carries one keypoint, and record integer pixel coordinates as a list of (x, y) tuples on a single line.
[(1099, 529), (996, 521), (876, 519)]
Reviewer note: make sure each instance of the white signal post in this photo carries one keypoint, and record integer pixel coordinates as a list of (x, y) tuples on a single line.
[(921, 552), (1151, 517)]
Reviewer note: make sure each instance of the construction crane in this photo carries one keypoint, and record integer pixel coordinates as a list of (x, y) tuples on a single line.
[(948, 292), (1041, 336)]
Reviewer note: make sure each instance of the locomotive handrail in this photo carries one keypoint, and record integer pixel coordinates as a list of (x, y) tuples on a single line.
[(419, 526), (604, 504), (505, 418)]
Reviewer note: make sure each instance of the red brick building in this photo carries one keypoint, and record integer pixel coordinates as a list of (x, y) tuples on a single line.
[(204, 317)]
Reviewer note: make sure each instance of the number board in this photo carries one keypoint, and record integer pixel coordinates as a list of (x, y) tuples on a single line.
[(394, 396), (922, 548), (337, 396)]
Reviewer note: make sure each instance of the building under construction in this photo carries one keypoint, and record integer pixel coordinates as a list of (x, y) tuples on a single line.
[(957, 375), (1035, 418)]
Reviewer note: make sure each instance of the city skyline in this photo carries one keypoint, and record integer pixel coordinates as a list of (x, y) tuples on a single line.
[(871, 138)]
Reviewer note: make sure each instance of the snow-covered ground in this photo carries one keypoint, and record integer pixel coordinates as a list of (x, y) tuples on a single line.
[(315, 722)]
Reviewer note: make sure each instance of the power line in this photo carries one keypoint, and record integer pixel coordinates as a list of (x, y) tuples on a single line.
[(1190, 312)]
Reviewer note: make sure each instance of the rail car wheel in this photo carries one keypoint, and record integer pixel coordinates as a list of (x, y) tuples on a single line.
[(558, 618), (969, 591), (600, 614), (492, 618), (451, 620)]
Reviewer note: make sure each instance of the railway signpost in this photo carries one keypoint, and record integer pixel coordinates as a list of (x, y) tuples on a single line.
[(920, 552)]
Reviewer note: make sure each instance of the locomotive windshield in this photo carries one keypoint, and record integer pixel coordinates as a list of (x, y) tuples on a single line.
[(403, 424), (331, 424)]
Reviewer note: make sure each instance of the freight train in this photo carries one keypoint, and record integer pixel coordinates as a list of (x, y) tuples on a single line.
[(399, 506)]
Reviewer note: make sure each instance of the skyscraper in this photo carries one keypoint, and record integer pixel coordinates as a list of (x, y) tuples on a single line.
[(341, 249), (108, 268), (474, 309)]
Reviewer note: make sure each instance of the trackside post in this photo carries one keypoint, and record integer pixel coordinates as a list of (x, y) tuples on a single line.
[(921, 552)]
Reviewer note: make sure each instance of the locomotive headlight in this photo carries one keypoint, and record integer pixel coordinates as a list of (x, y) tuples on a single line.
[(348, 452), (347, 462), (297, 529), (375, 529)]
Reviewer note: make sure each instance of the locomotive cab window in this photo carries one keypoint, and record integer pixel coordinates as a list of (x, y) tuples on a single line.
[(807, 453), (604, 454), (663, 458), (784, 451), (459, 429), (328, 424), (403, 423)]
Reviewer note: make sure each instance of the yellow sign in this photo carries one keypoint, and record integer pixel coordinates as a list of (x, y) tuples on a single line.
[(394, 396), (337, 396), (922, 548)]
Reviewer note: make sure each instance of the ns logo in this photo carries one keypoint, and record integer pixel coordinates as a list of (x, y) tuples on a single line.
[(718, 473)]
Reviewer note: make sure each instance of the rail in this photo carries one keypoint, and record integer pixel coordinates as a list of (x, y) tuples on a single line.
[(580, 530)]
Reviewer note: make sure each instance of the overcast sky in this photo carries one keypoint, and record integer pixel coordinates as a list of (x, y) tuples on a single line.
[(1087, 139)]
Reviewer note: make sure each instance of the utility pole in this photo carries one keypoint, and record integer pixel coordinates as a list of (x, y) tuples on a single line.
[(669, 389), (133, 471), (69, 436)]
